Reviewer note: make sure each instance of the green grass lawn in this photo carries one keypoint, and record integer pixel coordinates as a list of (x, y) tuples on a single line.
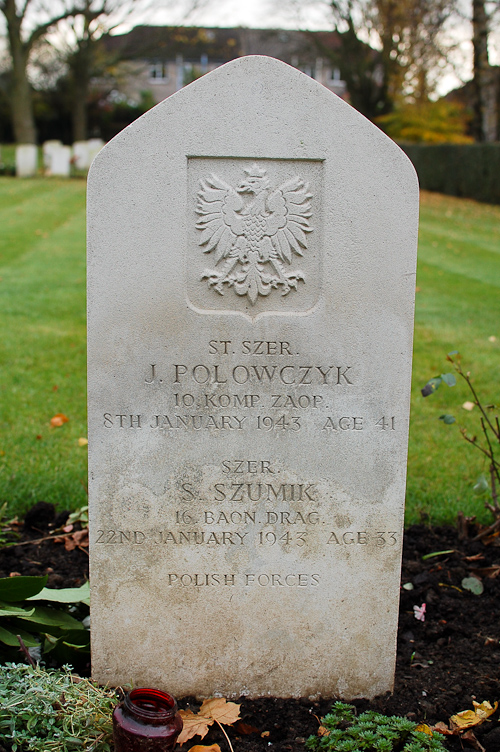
[(42, 350), (457, 308)]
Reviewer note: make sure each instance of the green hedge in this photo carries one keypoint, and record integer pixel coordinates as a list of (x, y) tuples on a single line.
[(466, 170)]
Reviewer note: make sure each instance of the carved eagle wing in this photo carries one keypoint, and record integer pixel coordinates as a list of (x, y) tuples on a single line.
[(290, 207), (218, 204)]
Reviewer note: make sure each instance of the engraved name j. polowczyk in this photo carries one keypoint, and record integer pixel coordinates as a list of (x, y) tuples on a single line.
[(253, 239)]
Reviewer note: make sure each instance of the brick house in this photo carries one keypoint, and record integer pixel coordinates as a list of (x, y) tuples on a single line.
[(163, 59)]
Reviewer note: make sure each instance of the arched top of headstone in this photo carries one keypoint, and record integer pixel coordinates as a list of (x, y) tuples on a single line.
[(262, 105)]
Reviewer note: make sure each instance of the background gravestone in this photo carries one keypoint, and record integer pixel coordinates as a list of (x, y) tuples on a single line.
[(252, 247), (48, 148), (26, 160), (60, 161), (81, 155)]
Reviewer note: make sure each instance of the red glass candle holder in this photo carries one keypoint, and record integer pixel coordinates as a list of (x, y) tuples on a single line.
[(146, 721)]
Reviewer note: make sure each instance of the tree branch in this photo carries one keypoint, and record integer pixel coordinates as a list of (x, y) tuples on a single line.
[(478, 446), (41, 30)]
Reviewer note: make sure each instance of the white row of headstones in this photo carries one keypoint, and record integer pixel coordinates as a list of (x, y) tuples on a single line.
[(57, 158)]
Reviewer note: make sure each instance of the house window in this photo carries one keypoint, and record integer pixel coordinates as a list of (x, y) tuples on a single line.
[(158, 72), (335, 74)]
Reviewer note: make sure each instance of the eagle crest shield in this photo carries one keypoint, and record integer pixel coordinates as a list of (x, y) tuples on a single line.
[(255, 233)]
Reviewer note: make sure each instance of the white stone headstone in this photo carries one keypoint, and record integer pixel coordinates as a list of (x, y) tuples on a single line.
[(47, 148), (81, 155), (251, 266), (60, 161), (26, 160)]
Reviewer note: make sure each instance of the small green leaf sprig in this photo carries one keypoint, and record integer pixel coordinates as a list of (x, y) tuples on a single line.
[(372, 732), (53, 711)]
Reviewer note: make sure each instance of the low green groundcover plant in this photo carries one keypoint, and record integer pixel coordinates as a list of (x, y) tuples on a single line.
[(373, 732), (43, 620), (53, 711)]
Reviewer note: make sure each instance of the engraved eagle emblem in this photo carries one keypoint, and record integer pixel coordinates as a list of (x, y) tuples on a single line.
[(254, 232)]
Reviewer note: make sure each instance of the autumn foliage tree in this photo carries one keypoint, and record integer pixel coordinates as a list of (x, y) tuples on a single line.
[(427, 122), (388, 48)]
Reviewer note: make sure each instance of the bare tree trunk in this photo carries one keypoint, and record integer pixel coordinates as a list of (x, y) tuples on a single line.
[(79, 114), (23, 119), (484, 104), (79, 67), (81, 64), (20, 48)]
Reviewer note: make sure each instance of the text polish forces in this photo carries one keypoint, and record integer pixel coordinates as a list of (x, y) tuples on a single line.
[(263, 579)]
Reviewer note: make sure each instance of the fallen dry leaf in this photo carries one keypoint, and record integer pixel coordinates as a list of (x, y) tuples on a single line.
[(216, 709), (442, 728), (465, 719), (468, 718), (484, 709), (221, 710), (265, 734), (58, 420), (194, 725), (424, 728), (79, 539), (83, 442), (205, 748), (322, 731), (469, 406), (473, 741), (467, 735)]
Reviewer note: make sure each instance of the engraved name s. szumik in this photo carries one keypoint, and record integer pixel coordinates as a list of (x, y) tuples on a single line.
[(253, 239)]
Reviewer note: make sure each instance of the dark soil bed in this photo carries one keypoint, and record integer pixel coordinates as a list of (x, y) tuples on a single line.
[(443, 663)]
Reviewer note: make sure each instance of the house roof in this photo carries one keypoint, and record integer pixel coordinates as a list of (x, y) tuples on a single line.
[(220, 45)]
